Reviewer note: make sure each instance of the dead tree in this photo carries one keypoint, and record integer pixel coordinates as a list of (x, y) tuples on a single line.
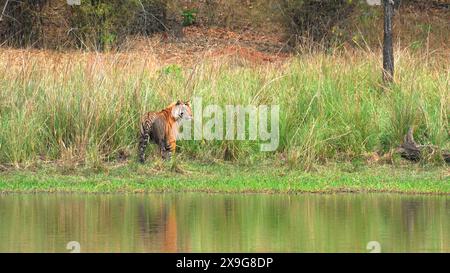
[(410, 150)]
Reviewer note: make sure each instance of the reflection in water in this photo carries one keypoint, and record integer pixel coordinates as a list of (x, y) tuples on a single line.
[(197, 222)]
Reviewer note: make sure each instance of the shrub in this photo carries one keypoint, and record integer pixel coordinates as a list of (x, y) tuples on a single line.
[(21, 23), (95, 24), (314, 20), (189, 17), (102, 24)]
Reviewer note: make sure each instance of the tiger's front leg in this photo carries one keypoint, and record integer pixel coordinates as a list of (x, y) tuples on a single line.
[(167, 148), (171, 145)]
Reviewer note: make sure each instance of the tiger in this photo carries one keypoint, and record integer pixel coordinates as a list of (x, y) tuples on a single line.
[(162, 128)]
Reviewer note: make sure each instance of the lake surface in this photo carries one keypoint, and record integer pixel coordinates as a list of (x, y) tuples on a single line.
[(197, 222)]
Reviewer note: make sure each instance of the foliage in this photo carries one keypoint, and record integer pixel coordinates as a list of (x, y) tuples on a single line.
[(95, 24), (172, 69), (104, 24), (22, 25), (101, 24), (189, 17), (85, 107), (314, 20)]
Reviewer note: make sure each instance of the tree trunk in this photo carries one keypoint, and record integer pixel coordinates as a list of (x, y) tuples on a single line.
[(388, 50)]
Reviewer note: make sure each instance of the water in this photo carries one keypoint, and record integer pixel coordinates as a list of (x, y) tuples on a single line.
[(194, 222)]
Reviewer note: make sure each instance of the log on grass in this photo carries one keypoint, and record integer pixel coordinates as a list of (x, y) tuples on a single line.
[(412, 151)]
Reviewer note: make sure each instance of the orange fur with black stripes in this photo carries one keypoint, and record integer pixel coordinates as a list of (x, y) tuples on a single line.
[(162, 127)]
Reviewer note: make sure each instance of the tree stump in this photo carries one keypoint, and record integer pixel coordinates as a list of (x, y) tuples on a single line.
[(412, 151)]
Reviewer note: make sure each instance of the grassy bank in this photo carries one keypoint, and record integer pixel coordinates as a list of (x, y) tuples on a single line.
[(265, 177), (83, 108)]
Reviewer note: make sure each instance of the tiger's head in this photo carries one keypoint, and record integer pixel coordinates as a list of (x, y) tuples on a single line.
[(182, 110)]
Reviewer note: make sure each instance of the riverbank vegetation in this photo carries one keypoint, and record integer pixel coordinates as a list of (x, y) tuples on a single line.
[(84, 108), (71, 99)]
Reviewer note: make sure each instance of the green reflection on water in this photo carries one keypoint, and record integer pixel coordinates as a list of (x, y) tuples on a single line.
[(193, 222)]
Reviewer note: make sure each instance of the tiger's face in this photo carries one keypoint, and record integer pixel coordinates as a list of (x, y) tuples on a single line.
[(182, 111)]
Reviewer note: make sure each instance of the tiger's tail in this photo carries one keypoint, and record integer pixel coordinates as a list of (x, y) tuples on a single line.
[(143, 141)]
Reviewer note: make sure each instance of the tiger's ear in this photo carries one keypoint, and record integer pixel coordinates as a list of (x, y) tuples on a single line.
[(178, 102), (188, 103)]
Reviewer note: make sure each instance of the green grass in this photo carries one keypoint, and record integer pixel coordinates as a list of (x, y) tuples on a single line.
[(264, 177), (85, 107)]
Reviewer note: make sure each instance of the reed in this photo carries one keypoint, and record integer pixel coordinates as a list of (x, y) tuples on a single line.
[(84, 107)]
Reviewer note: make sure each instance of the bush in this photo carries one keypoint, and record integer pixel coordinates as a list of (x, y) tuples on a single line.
[(189, 17), (314, 20), (95, 24), (22, 22), (102, 24)]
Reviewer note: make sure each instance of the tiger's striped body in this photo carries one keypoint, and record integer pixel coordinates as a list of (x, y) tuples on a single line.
[(162, 127)]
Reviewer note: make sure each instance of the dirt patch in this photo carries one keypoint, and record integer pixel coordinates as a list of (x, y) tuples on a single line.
[(248, 54), (199, 43)]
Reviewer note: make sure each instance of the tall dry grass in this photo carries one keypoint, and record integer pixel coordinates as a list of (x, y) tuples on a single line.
[(85, 107)]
